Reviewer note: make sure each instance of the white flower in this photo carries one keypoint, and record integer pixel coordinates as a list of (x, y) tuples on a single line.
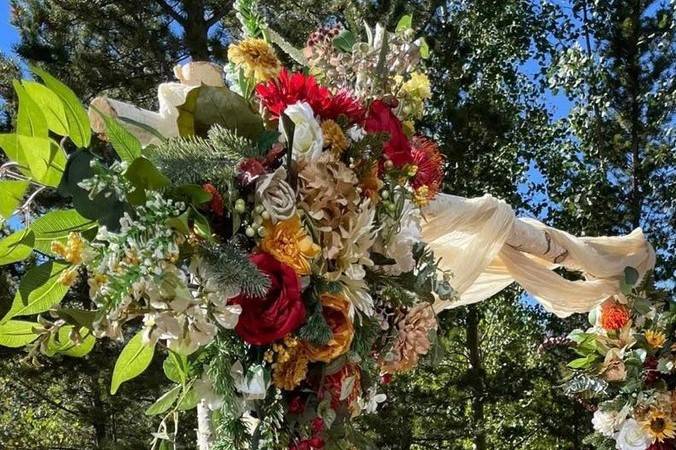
[(254, 385), (356, 133), (227, 315), (307, 136), (607, 422), (205, 391), (371, 402), (400, 247), (632, 436)]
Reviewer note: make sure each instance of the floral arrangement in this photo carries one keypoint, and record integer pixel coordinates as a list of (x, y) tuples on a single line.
[(270, 253), (626, 370)]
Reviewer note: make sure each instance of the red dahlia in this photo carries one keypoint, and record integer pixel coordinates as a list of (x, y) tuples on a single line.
[(430, 163), (289, 88)]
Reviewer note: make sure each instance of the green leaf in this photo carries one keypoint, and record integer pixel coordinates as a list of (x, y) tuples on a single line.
[(582, 363), (344, 41), (163, 403), (39, 290), (17, 333), (29, 120), (175, 367), (51, 106), (11, 196), (16, 247), (64, 345), (631, 275), (144, 176), (133, 360), (405, 23), (189, 400), (424, 48), (83, 318), (206, 106), (76, 115), (44, 157), (56, 226), (193, 193), (126, 145)]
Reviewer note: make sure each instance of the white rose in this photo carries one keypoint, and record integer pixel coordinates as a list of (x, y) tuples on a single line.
[(307, 136), (632, 436), (607, 422)]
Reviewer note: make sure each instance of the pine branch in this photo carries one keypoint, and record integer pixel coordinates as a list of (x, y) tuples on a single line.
[(193, 160), (228, 266)]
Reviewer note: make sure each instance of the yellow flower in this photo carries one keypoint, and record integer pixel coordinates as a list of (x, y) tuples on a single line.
[(655, 339), (336, 311), (289, 243), (418, 86), (421, 196), (658, 425), (256, 57), (291, 365), (68, 276), (72, 251), (334, 138)]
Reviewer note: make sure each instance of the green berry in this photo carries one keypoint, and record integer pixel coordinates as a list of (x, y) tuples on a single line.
[(265, 215), (262, 231), (240, 206), (250, 232)]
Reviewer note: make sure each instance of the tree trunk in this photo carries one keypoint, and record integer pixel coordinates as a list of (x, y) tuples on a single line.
[(634, 80), (476, 374), (196, 30), (98, 416), (204, 429)]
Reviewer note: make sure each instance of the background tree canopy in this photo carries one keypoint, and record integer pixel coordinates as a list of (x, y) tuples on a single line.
[(563, 108)]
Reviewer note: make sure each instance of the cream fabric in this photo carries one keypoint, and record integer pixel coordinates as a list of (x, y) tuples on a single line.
[(471, 236)]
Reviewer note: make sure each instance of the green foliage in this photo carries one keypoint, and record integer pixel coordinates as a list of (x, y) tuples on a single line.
[(126, 145), (165, 402), (55, 226), (16, 247), (133, 360), (11, 195), (228, 267), (193, 160), (17, 333), (39, 290)]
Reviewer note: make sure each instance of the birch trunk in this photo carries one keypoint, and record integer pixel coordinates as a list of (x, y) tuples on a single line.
[(205, 436)]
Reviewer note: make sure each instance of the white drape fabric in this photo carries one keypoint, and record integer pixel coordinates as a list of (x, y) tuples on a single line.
[(471, 236)]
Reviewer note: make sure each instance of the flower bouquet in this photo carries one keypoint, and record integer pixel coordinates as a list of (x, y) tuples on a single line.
[(626, 370), (262, 237)]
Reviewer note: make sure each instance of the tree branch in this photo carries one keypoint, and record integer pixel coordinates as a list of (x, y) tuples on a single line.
[(171, 11)]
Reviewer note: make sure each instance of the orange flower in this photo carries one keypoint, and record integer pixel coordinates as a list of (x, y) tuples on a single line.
[(614, 315), (290, 367), (289, 243), (335, 310)]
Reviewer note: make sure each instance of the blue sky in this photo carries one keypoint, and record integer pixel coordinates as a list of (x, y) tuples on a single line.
[(8, 35)]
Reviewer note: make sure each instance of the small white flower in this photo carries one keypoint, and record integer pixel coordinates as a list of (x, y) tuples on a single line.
[(632, 436), (356, 133), (254, 384), (371, 402), (227, 315), (307, 136), (205, 391)]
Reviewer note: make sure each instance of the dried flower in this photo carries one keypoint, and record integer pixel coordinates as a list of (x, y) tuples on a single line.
[(256, 57), (412, 340), (655, 339), (290, 367), (276, 195), (334, 138)]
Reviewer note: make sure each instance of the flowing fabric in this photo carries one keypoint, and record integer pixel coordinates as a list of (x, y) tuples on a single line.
[(479, 241)]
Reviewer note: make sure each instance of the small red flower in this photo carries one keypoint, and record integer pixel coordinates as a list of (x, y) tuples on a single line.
[(430, 163), (249, 170), (381, 119), (386, 378), (317, 425), (316, 442), (296, 405), (216, 203), (289, 88)]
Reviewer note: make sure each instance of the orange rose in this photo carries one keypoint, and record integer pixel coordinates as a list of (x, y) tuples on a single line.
[(335, 310)]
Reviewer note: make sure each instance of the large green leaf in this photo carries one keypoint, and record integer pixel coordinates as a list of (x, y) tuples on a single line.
[(30, 121), (206, 106), (56, 225), (16, 247), (79, 130), (17, 333), (64, 345), (164, 402), (51, 106), (144, 176), (134, 359), (126, 145), (10, 145), (11, 196), (39, 290), (44, 157)]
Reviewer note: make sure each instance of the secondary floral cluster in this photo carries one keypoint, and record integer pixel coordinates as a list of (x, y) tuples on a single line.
[(628, 363)]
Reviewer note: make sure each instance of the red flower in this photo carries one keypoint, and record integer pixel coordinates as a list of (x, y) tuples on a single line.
[(333, 386), (249, 170), (289, 88), (216, 203), (381, 119), (296, 405), (317, 425), (613, 315), (430, 163), (281, 311)]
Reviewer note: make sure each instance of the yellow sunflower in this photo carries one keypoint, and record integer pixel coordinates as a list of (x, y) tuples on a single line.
[(288, 242), (256, 57), (658, 425)]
